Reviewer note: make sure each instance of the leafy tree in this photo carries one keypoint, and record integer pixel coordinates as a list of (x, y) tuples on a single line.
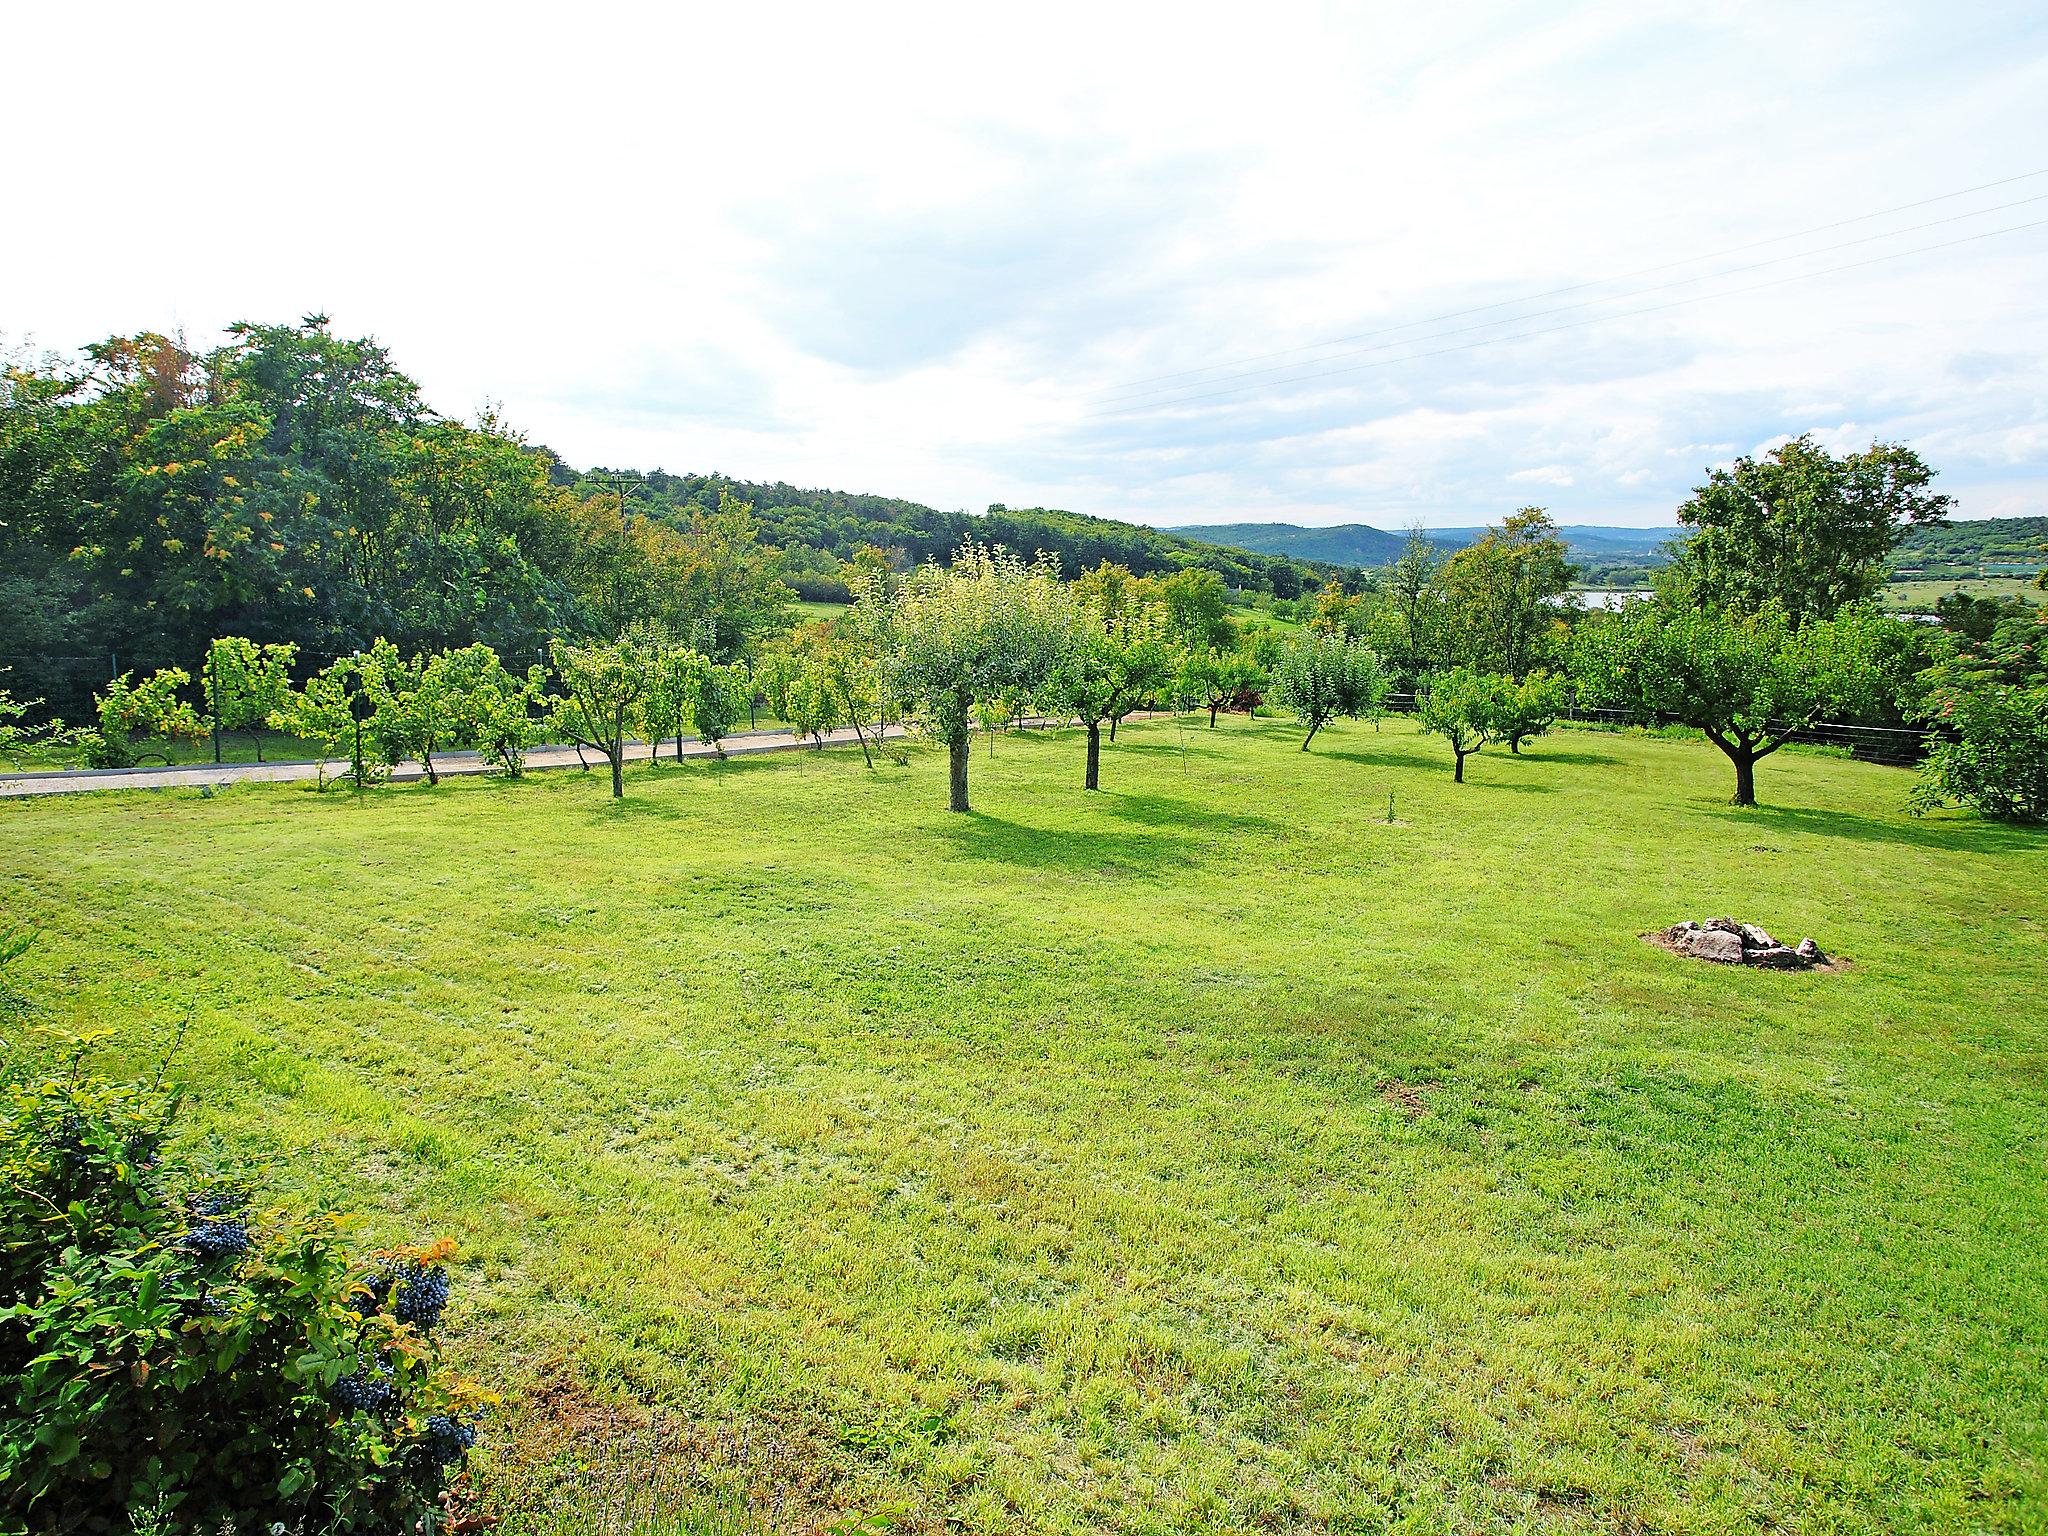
[(414, 709), (795, 683), (1528, 708), (1197, 608), (501, 715), (1337, 612), (1411, 588), (1220, 679), (675, 678), (1802, 529), (1103, 669), (1749, 681), (1462, 706), (1987, 694), (329, 712), (132, 715), (1499, 596), (1325, 676), (244, 683), (988, 625), (724, 697), (603, 686)]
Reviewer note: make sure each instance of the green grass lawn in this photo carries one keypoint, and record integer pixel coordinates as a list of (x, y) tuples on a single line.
[(1203, 1155)]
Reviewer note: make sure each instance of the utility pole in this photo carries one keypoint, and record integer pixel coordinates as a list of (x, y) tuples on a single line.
[(622, 484)]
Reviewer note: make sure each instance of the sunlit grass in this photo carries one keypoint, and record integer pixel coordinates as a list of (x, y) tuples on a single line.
[(1204, 1154)]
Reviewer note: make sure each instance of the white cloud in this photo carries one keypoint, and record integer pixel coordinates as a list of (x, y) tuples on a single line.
[(947, 253)]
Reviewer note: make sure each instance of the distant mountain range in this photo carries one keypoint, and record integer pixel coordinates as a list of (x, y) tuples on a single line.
[(1362, 544), (1967, 546)]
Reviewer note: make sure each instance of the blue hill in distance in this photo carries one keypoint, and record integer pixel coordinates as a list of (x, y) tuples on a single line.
[(1362, 544)]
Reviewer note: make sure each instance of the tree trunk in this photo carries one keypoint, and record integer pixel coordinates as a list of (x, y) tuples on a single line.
[(1314, 725), (216, 744), (1112, 727), (1212, 717), (1458, 773), (427, 762), (1745, 777), (1515, 746), (957, 752), (618, 772), (1094, 756)]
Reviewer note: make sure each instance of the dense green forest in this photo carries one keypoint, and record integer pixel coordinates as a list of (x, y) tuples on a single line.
[(293, 485), (817, 530)]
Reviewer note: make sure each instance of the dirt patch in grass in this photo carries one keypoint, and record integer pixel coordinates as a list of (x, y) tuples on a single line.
[(566, 1457), (1412, 1099)]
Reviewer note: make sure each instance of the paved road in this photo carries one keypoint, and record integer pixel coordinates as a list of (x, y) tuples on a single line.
[(78, 781)]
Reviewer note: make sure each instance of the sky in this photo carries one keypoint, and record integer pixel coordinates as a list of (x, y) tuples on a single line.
[(1097, 257)]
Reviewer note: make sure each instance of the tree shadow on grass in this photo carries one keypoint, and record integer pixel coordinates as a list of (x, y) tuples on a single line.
[(1963, 836), (1170, 811), (1566, 755), (1071, 849), (1390, 757)]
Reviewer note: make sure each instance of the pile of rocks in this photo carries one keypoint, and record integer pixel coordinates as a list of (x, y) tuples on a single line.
[(1727, 942)]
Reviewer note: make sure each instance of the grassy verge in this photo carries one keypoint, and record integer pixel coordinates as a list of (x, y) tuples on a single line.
[(1203, 1155)]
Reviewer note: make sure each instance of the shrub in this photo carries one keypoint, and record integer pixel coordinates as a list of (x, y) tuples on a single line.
[(1998, 759), (132, 715), (169, 1353)]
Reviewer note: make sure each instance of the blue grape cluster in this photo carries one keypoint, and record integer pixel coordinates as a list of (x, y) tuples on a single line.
[(447, 1441), (70, 1144), (417, 1293), (370, 1390), (219, 1230)]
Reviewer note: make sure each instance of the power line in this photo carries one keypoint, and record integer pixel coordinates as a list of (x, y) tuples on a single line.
[(1551, 293), (1573, 325), (1561, 309)]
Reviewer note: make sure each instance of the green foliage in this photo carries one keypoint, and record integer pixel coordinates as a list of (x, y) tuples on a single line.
[(133, 715), (1801, 529), (1988, 695), (987, 626), (165, 1350), (1324, 676), (26, 744), (841, 525), (1221, 679), (244, 684), (1749, 681), (292, 484), (603, 686), (1103, 668), (1497, 599), (1525, 709), (328, 714), (1997, 759), (494, 712), (675, 678), (1464, 707), (723, 698)]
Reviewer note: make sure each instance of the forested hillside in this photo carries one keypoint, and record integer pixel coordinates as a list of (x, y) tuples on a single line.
[(817, 529)]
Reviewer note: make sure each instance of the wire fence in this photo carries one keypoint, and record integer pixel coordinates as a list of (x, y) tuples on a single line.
[(1902, 746)]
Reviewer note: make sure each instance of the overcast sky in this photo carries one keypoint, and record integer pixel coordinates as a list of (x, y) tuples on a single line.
[(1035, 256)]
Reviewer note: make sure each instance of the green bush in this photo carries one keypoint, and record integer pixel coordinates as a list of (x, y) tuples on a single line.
[(1997, 761), (171, 1359)]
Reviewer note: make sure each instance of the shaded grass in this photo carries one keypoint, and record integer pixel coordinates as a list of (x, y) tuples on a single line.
[(1201, 1155)]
